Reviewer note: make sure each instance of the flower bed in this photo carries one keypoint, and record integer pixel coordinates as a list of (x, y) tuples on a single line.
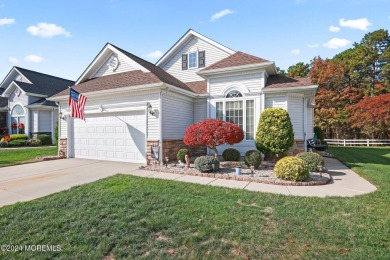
[(264, 174)]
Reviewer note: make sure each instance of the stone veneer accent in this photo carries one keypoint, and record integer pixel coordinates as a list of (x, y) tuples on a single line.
[(170, 148), (298, 147), (63, 147)]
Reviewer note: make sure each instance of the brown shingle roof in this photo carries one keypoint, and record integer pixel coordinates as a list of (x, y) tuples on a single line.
[(278, 81), (199, 87), (119, 80), (236, 59)]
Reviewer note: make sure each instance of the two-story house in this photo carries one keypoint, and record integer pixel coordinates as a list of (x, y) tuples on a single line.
[(134, 104)]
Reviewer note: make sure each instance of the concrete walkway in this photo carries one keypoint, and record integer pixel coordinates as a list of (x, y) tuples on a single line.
[(345, 183), (30, 181)]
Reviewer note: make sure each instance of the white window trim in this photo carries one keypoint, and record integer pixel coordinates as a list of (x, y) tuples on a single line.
[(17, 117), (243, 99), (196, 51)]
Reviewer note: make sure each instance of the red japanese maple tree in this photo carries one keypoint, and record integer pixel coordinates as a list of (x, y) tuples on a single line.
[(212, 133)]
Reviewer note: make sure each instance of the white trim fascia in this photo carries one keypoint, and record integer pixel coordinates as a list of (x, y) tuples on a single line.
[(190, 33), (9, 90), (110, 91), (36, 95), (9, 75), (262, 65), (41, 107), (286, 89)]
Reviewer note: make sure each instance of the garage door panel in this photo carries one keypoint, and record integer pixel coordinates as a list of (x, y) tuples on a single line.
[(117, 137)]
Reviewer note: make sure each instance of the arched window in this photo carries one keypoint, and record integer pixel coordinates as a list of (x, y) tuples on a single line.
[(236, 109), (17, 119)]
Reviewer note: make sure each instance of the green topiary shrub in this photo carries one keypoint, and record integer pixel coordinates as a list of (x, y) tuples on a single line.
[(3, 144), (45, 139), (34, 142), (312, 160), (275, 133), (205, 164), (231, 154), (319, 134), (18, 137), (292, 168), (253, 158), (56, 134), (181, 155), (17, 142)]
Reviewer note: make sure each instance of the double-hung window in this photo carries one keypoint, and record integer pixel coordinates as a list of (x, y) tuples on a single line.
[(237, 110)]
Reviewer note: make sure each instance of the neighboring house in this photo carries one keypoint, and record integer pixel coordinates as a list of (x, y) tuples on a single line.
[(133, 104), (23, 101)]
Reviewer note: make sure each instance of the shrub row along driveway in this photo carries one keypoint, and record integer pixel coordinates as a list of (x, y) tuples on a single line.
[(29, 181)]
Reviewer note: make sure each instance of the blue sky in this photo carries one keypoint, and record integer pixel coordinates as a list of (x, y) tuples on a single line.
[(62, 37)]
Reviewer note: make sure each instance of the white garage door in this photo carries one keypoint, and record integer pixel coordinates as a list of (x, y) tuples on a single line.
[(111, 136)]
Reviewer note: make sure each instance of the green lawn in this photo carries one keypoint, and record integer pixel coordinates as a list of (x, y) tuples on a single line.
[(131, 217), (21, 155)]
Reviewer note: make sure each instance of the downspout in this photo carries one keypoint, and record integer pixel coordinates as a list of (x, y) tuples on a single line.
[(304, 123), (59, 128), (160, 128)]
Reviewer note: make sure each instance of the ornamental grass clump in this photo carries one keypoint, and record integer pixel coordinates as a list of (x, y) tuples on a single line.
[(253, 158), (313, 160), (231, 155), (292, 169), (206, 164)]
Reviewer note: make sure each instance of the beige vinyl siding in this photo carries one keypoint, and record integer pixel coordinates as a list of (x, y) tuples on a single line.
[(177, 115), (275, 102), (63, 128), (295, 110), (253, 82), (200, 110), (173, 65), (125, 64)]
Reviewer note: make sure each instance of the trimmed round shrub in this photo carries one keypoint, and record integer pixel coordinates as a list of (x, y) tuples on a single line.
[(17, 142), (312, 160), (205, 163), (231, 155), (275, 133), (253, 158), (34, 142), (3, 144), (181, 155), (45, 139), (292, 168)]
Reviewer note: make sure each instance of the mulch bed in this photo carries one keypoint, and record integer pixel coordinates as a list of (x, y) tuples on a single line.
[(264, 174)]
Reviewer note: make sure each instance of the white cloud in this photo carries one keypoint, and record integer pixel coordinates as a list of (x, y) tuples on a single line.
[(314, 45), (336, 43), (360, 24), (155, 54), (219, 15), (13, 60), (295, 51), (5, 21), (33, 58), (47, 30), (334, 29)]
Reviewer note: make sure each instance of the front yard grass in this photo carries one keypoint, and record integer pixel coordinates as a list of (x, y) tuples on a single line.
[(131, 217), (10, 157)]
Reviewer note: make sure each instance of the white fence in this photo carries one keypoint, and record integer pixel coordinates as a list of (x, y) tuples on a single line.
[(358, 142)]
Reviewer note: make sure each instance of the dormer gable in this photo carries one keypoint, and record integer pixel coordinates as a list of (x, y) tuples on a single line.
[(14, 75), (191, 53), (110, 60)]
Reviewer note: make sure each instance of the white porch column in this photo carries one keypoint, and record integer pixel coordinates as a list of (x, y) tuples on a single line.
[(27, 126)]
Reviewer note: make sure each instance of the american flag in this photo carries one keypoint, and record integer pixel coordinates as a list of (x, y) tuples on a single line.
[(77, 104)]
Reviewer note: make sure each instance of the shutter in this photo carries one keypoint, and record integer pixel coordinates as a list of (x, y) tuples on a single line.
[(184, 61), (202, 59)]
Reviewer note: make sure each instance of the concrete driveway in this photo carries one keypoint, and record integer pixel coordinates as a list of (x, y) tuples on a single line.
[(30, 181)]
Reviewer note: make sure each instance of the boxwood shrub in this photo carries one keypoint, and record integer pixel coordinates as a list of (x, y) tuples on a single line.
[(45, 139), (312, 160), (181, 155), (253, 158), (17, 142), (16, 137), (292, 168), (205, 163), (231, 154)]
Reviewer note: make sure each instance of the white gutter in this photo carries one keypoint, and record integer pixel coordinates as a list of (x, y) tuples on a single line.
[(270, 90)]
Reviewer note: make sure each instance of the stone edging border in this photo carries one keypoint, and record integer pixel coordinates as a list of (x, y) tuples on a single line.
[(326, 177)]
